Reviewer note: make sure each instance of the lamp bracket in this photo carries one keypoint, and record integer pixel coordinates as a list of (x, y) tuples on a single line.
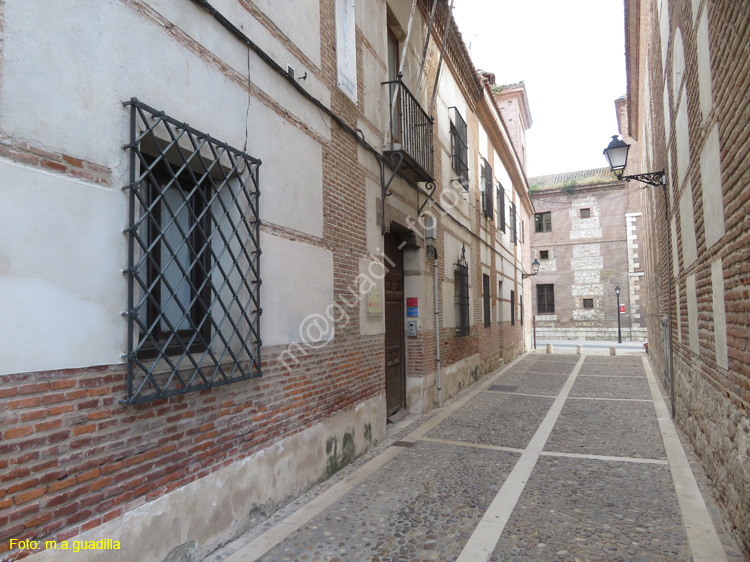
[(650, 178), (527, 275)]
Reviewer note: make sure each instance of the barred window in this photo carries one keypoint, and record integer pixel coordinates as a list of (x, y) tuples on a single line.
[(193, 260), (488, 206), (501, 205), (513, 222), (512, 308), (486, 298), (545, 299), (459, 147), (588, 303), (461, 281)]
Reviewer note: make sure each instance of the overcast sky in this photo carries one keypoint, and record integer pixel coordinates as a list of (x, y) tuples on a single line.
[(571, 55)]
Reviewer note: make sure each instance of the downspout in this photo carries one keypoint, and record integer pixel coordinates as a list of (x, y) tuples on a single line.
[(437, 332)]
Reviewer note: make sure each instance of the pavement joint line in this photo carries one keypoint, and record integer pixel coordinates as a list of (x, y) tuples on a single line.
[(523, 394), (482, 542), (544, 373), (603, 458), (703, 539), (472, 445), (610, 399), (614, 376), (284, 528)]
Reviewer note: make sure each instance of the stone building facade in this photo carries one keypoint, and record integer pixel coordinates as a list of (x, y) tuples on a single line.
[(688, 78), (217, 280), (586, 238)]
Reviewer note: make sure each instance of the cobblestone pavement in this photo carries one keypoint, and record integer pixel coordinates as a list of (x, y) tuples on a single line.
[(554, 457)]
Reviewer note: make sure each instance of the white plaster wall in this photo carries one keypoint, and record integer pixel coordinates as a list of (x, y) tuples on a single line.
[(664, 31), (303, 29), (692, 306), (61, 258), (682, 139), (678, 62), (675, 260), (704, 66), (679, 312), (371, 19), (585, 233), (483, 143), (297, 283), (711, 187), (719, 316), (375, 94), (687, 227)]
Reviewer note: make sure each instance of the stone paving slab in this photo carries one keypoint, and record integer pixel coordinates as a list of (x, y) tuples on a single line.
[(611, 428), (611, 387), (612, 371), (534, 383), (421, 506), (579, 509), (495, 418)]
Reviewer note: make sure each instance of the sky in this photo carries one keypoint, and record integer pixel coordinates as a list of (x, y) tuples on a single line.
[(571, 56)]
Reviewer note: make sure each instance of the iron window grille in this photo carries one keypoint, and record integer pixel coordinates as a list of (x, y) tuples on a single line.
[(513, 228), (501, 205), (486, 297), (461, 278), (544, 254), (512, 308), (588, 303), (545, 299), (585, 213), (193, 260), (488, 206), (459, 147), (543, 222)]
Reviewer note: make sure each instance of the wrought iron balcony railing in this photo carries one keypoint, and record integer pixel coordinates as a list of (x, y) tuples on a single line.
[(410, 133)]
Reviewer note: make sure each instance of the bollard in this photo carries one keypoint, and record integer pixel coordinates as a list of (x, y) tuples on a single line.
[(612, 351), (549, 348), (579, 349)]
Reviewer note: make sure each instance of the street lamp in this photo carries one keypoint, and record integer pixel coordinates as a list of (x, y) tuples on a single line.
[(616, 154), (534, 267), (619, 331)]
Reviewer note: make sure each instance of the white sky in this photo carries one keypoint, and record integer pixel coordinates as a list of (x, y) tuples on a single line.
[(571, 56)]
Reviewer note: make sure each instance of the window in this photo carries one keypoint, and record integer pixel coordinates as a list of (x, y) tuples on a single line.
[(520, 308), (193, 260), (545, 299), (488, 206), (543, 254), (523, 236), (393, 93), (585, 213), (461, 281), (512, 220), (543, 222), (588, 303), (486, 296), (501, 206), (459, 147), (500, 301), (512, 308)]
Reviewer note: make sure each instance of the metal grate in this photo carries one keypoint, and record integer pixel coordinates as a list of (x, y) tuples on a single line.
[(488, 206), (459, 147), (503, 388), (461, 280), (193, 260)]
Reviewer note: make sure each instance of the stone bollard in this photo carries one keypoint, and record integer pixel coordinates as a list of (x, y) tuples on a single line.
[(549, 348), (612, 351), (579, 349)]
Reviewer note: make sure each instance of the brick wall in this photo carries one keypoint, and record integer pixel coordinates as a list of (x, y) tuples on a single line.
[(711, 401)]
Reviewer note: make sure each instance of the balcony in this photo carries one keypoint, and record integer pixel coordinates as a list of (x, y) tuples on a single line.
[(410, 133)]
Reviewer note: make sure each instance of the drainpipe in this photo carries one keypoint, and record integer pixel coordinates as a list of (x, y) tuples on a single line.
[(437, 331)]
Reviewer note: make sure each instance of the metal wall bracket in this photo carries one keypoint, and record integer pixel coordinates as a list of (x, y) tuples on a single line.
[(398, 159), (430, 191), (650, 178)]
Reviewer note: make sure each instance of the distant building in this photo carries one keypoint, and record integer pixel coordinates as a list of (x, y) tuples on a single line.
[(585, 236), (688, 83)]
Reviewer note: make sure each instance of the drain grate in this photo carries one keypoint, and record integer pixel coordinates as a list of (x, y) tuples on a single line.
[(503, 388)]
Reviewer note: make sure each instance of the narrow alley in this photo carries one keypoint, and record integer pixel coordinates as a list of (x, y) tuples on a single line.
[(554, 457)]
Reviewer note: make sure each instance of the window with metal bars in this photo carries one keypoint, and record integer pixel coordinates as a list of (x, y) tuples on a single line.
[(513, 227), (193, 260), (459, 147), (512, 308), (501, 205), (545, 299), (488, 206), (486, 297), (461, 282)]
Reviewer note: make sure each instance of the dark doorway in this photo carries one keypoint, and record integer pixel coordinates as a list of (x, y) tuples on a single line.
[(395, 374)]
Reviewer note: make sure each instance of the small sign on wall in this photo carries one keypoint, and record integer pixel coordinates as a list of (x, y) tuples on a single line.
[(346, 49), (374, 303), (622, 309), (412, 307)]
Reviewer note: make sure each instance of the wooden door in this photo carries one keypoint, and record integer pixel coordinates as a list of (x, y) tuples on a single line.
[(395, 371)]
